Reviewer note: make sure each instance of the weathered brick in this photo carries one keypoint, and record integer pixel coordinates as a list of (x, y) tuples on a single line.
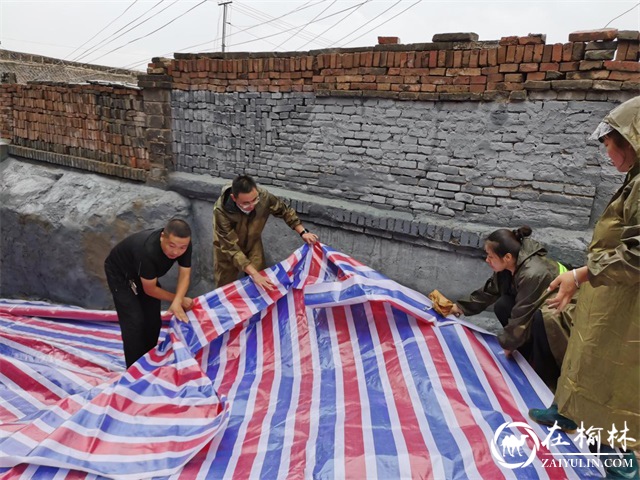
[(569, 66), (537, 85), (487, 201), (536, 76), (509, 67), (622, 66), (599, 55), (592, 35), (623, 76), (388, 40), (633, 35), (549, 66), (588, 75), (606, 85), (532, 39), (455, 37)]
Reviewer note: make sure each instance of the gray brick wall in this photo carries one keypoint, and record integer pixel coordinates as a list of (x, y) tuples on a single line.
[(490, 163)]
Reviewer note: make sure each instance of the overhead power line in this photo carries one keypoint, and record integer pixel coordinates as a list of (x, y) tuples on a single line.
[(386, 21), (256, 36), (366, 23), (104, 28), (107, 41), (288, 30), (298, 9), (623, 13), (280, 24), (152, 32), (334, 25), (306, 25)]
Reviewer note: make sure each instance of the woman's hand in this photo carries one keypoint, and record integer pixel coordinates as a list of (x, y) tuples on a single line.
[(566, 285), (455, 310)]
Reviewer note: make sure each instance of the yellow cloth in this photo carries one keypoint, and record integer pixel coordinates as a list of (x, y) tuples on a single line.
[(441, 304)]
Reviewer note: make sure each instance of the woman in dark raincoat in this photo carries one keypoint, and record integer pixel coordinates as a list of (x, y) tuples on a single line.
[(522, 274), (600, 381)]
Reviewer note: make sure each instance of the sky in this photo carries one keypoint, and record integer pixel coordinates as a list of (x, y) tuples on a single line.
[(128, 33)]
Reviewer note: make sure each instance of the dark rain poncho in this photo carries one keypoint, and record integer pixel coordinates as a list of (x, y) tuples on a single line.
[(600, 381), (534, 272)]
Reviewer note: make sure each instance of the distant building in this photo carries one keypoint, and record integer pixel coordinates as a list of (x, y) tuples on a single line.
[(18, 67)]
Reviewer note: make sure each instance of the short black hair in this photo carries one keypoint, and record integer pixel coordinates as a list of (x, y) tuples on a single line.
[(243, 184), (177, 227)]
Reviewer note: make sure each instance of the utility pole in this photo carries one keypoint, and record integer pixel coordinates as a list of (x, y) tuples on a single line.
[(224, 4)]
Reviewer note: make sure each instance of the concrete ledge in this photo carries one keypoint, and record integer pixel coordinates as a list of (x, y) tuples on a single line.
[(449, 235)]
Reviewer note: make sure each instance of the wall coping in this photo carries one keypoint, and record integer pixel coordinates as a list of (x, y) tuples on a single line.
[(399, 47), (429, 231), (85, 164)]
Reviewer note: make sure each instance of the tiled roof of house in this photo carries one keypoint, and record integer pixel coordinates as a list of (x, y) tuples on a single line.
[(27, 68)]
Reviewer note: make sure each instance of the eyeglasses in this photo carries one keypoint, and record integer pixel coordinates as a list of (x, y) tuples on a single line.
[(251, 203)]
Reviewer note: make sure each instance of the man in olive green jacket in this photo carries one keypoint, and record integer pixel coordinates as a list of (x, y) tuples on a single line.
[(239, 217)]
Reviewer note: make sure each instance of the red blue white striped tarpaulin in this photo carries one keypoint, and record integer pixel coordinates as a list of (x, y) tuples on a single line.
[(340, 373)]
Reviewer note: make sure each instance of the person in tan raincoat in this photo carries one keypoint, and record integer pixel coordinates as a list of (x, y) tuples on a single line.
[(522, 274), (239, 217), (600, 381)]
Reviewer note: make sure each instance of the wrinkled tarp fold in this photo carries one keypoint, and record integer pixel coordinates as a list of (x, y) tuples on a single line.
[(339, 373)]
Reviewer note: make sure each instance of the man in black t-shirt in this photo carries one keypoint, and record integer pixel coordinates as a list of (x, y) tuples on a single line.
[(133, 268)]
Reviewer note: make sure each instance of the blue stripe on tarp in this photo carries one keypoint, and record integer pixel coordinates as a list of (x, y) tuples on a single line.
[(225, 318), (384, 443), (480, 401), (50, 332), (429, 399), (109, 467), (325, 455), (280, 421), (238, 404), (527, 392), (51, 371), (361, 292), (213, 361)]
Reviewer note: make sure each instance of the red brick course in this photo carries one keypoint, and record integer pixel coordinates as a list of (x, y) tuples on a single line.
[(452, 66), (129, 128)]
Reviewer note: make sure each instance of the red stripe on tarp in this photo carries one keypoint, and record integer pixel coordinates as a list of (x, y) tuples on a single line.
[(354, 453), (266, 372), (505, 398), (419, 457), (473, 433), (298, 453)]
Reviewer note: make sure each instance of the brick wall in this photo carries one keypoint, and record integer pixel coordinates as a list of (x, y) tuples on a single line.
[(99, 128), (525, 162), (6, 105), (479, 131), (592, 65), (486, 132)]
